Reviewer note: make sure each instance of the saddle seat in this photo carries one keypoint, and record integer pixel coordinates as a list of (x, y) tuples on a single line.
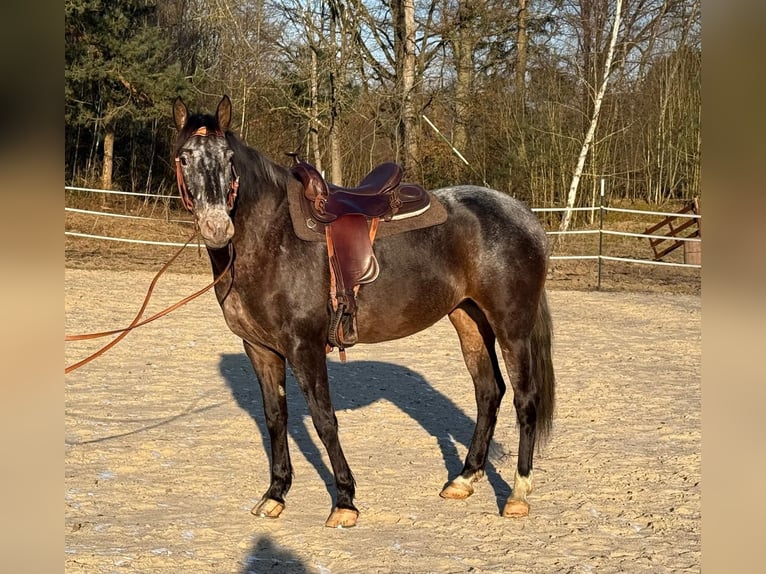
[(350, 216), (381, 179), (380, 194)]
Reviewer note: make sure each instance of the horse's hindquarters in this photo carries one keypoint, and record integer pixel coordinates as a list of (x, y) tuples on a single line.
[(491, 250)]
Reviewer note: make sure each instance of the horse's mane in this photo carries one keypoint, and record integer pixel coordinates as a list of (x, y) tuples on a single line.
[(248, 159)]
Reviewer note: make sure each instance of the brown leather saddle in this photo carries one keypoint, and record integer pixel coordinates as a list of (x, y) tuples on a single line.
[(349, 219)]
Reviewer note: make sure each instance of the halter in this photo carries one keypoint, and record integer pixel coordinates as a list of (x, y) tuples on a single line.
[(186, 197)]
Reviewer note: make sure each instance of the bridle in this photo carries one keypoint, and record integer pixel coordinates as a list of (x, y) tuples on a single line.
[(186, 197)]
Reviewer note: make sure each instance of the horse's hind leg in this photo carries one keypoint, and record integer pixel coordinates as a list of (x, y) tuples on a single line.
[(477, 342), (517, 356), (270, 369)]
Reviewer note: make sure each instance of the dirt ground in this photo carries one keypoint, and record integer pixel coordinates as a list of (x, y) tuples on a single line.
[(165, 451)]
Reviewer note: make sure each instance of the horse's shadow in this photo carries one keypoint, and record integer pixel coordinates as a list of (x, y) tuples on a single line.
[(266, 556), (354, 385)]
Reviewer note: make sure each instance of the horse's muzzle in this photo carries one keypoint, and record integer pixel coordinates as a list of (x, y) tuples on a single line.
[(216, 228)]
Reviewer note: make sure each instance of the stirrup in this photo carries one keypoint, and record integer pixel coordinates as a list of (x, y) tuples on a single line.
[(342, 329)]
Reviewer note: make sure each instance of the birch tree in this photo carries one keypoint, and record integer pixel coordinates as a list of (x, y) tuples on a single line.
[(572, 195)]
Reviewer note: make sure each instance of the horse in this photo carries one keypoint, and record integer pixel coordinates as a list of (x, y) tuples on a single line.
[(484, 268)]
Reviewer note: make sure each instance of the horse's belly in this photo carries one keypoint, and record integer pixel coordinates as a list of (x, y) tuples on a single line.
[(385, 313)]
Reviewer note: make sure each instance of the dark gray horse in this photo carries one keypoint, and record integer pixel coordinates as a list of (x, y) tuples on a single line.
[(484, 267)]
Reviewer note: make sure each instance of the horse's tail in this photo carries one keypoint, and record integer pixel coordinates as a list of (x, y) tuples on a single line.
[(542, 369)]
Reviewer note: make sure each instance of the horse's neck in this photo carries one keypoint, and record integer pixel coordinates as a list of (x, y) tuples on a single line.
[(262, 199), (261, 207)]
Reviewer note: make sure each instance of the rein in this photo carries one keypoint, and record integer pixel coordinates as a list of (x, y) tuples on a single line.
[(137, 322)]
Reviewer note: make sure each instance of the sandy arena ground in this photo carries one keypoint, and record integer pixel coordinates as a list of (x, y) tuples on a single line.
[(165, 446)]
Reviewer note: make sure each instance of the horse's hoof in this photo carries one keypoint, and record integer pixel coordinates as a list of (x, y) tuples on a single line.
[(458, 489), (268, 508), (516, 509), (342, 518)]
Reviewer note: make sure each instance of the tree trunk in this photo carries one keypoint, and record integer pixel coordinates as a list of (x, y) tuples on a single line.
[(521, 54), (591, 130), (404, 39), (108, 165), (520, 96), (336, 163), (463, 82), (314, 114), (462, 48)]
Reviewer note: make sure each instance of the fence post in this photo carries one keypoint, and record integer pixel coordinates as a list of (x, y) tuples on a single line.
[(600, 233)]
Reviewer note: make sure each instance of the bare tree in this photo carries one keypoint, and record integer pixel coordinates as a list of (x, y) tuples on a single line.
[(592, 126), (396, 41), (518, 87), (522, 41), (463, 40), (403, 13)]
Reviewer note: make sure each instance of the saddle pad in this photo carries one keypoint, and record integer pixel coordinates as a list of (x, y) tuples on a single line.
[(309, 229)]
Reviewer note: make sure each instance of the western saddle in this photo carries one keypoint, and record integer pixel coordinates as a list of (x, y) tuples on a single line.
[(349, 217)]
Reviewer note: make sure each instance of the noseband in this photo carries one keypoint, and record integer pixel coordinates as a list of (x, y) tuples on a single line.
[(186, 197)]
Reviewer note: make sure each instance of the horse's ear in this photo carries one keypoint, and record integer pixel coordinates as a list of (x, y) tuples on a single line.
[(180, 113), (223, 113)]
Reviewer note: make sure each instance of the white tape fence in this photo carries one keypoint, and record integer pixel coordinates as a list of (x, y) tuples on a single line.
[(598, 255)]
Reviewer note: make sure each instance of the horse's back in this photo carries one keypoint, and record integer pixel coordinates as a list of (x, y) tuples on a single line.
[(486, 231), (498, 216), (490, 249)]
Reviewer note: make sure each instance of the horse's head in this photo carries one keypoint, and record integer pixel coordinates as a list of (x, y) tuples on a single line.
[(205, 170)]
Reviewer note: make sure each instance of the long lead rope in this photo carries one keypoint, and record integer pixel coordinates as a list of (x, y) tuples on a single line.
[(137, 322)]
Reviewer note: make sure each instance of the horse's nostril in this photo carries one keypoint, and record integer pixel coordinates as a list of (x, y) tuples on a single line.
[(208, 228), (216, 229)]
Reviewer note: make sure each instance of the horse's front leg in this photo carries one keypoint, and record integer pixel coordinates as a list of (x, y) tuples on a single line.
[(270, 369), (310, 369)]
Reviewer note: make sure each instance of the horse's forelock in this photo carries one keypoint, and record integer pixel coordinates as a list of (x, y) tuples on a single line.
[(193, 123)]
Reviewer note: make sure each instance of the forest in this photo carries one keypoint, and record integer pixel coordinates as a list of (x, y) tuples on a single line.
[(491, 92)]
